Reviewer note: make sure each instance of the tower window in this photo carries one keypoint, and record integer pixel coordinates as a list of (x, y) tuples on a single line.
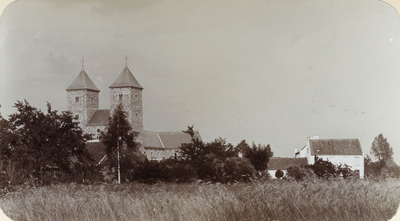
[(120, 97), (76, 99), (137, 114)]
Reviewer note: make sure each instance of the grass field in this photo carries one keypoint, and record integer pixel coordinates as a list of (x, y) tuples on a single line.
[(273, 200)]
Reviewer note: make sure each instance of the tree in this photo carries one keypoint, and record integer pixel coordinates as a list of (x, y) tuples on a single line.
[(259, 156), (204, 158), (381, 150), (33, 141), (119, 139)]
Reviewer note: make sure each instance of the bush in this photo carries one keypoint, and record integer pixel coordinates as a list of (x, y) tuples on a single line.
[(279, 174), (150, 172), (176, 171), (237, 169), (324, 168), (299, 173)]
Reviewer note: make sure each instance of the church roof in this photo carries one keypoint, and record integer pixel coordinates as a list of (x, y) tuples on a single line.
[(126, 79), (99, 118), (152, 140), (335, 147), (166, 140), (82, 82)]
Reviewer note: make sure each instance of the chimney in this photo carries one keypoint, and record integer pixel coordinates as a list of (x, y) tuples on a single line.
[(315, 137)]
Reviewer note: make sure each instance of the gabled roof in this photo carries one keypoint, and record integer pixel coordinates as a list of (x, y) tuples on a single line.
[(126, 79), (82, 82), (99, 118), (152, 140), (166, 140), (335, 147), (282, 163)]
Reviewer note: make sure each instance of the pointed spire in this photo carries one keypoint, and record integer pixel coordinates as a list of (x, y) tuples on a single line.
[(126, 79), (82, 82), (126, 60), (82, 62)]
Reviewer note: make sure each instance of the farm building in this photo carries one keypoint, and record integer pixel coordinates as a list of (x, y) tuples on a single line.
[(282, 163), (83, 102), (337, 151)]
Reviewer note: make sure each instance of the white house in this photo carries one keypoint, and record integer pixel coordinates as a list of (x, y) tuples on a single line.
[(337, 151)]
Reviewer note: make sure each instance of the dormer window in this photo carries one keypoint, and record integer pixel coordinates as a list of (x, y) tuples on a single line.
[(76, 99)]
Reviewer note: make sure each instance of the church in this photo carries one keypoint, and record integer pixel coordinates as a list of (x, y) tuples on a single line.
[(83, 103)]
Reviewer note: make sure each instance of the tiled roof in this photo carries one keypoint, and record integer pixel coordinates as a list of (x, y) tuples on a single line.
[(282, 163), (166, 140), (99, 118), (126, 79), (82, 82), (335, 147)]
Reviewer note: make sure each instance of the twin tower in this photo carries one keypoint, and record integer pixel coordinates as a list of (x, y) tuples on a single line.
[(83, 102)]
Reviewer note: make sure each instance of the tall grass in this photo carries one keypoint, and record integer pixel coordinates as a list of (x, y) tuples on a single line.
[(273, 200)]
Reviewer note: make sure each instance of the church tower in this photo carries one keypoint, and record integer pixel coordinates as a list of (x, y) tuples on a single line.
[(82, 98), (127, 90)]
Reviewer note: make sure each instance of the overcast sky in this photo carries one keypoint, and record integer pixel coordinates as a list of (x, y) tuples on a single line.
[(274, 72)]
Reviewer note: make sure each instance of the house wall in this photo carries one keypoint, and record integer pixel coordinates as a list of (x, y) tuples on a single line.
[(355, 162)]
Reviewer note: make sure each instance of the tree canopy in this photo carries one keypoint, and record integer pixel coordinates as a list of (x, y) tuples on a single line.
[(381, 150), (33, 140), (119, 133)]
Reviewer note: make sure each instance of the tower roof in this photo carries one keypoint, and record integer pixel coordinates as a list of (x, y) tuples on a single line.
[(126, 79), (82, 82)]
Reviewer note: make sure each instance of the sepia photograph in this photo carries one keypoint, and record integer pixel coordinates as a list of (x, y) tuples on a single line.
[(274, 110)]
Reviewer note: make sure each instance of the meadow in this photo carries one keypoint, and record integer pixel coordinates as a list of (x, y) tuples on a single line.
[(272, 200)]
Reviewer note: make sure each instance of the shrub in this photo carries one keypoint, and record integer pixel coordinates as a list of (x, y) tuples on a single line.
[(176, 171), (279, 174), (237, 169), (299, 173), (150, 172), (324, 168)]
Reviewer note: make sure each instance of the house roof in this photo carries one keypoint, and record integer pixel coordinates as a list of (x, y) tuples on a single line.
[(335, 147), (82, 82), (282, 163), (99, 118), (126, 79)]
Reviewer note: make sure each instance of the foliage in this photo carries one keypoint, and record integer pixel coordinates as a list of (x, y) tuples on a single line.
[(119, 138), (299, 173), (344, 170), (381, 150), (204, 158), (259, 156), (33, 142), (177, 171), (324, 168), (235, 169), (279, 174), (150, 172)]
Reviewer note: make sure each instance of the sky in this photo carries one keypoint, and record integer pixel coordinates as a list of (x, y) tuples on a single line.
[(273, 72)]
